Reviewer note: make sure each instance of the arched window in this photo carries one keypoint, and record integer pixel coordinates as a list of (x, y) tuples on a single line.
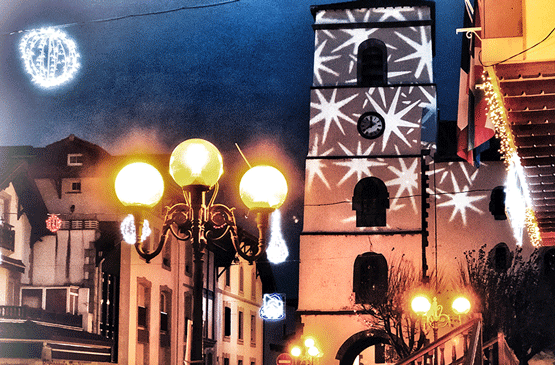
[(370, 278), (372, 63), (500, 257), (497, 203), (370, 200)]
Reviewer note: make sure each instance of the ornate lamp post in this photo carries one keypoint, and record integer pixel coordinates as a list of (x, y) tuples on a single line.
[(433, 316), (306, 354), (196, 166)]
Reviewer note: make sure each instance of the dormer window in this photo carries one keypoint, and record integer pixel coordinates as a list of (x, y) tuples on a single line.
[(75, 159)]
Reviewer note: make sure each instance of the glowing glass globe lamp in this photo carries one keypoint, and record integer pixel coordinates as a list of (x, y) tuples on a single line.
[(296, 351), (461, 305), (421, 305), (196, 162), (263, 187), (139, 185), (313, 351)]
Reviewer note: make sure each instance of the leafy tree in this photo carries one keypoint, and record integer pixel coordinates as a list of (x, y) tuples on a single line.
[(515, 300)]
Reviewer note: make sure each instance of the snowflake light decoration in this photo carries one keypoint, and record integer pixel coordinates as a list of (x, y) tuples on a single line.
[(53, 223), (128, 232), (49, 56), (273, 308), (277, 250)]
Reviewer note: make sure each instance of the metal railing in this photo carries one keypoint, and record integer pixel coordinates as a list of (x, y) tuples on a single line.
[(465, 340), (498, 352), (36, 314)]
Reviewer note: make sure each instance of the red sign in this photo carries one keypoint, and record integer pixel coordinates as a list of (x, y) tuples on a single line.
[(284, 359)]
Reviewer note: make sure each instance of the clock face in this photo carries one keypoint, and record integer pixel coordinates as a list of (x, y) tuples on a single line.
[(371, 125)]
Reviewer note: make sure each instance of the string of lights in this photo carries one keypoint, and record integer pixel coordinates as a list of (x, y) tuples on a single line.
[(123, 17), (497, 112)]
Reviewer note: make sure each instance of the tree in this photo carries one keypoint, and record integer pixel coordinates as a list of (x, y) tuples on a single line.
[(390, 311), (515, 300)]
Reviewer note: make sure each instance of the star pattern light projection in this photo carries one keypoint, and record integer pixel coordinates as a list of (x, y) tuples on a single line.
[(49, 56), (409, 52)]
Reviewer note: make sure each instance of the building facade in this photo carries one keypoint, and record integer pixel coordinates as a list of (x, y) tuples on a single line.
[(81, 271), (379, 194)]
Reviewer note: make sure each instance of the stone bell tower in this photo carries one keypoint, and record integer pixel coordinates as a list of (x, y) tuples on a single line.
[(365, 186)]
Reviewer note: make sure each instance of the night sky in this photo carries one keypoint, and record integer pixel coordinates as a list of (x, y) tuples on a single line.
[(234, 73)]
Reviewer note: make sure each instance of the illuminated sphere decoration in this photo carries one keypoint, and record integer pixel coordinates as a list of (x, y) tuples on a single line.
[(139, 184), (196, 162), (49, 56), (263, 187)]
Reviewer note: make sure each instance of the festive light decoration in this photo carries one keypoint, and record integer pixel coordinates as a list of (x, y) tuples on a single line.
[(128, 232), (53, 223), (49, 56), (272, 308), (518, 202), (277, 250)]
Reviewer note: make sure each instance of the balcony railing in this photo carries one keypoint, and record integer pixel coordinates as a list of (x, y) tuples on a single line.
[(7, 236), (35, 314)]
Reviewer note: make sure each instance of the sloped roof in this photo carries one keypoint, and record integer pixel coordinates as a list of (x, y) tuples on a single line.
[(529, 95)]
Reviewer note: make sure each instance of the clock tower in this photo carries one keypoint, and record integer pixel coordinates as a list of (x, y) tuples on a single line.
[(365, 210)]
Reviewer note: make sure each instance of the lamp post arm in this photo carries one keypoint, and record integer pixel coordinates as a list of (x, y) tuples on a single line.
[(139, 247)]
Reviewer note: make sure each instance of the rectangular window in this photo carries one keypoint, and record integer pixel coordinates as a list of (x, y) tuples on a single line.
[(253, 284), (239, 362), (241, 279), (226, 361), (253, 329), (167, 253), (240, 326), (227, 321), (75, 187), (75, 159), (228, 276)]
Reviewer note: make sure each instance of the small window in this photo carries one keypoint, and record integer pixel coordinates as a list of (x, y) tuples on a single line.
[(370, 200), (228, 276), (75, 187), (240, 327), (75, 159), (372, 63), (227, 321), (253, 329), (253, 284), (497, 203), (370, 278), (241, 279), (500, 257), (167, 253)]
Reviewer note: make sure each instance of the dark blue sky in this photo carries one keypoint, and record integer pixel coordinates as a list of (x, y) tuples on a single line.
[(235, 73)]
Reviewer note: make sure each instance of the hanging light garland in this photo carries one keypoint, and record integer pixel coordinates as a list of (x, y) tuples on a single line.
[(499, 117)]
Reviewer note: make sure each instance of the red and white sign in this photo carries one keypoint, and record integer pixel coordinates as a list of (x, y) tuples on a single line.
[(284, 359)]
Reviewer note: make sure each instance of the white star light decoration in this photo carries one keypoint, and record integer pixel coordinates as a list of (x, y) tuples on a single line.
[(49, 56)]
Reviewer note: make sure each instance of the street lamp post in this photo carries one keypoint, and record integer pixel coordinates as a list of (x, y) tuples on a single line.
[(433, 316), (310, 351), (196, 166)]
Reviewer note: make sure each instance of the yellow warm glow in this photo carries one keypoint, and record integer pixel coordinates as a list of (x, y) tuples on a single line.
[(196, 162), (139, 184), (420, 304), (313, 351), (461, 305), (263, 187), (296, 351), (309, 342)]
